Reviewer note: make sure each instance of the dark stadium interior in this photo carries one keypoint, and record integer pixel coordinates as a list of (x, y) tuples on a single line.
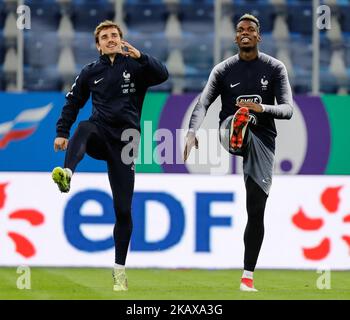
[(179, 32)]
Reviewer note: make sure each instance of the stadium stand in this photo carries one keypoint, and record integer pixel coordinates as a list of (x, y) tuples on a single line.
[(42, 79), (36, 51), (179, 32), (145, 16), (2, 15), (86, 15), (44, 15)]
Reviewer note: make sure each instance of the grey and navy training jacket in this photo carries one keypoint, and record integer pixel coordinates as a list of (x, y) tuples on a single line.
[(262, 80), (117, 91)]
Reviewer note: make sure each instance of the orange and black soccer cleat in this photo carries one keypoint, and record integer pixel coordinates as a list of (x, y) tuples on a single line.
[(238, 126)]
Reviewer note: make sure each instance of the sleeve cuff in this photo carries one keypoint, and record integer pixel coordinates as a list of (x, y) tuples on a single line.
[(143, 58), (62, 135)]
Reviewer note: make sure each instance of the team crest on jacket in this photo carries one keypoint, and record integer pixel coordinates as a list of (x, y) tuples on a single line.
[(264, 82), (128, 87), (126, 76)]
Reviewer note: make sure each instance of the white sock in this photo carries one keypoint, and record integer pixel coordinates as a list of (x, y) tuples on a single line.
[(247, 274), (119, 266), (69, 171)]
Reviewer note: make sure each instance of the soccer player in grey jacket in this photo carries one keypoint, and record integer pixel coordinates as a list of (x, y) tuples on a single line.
[(248, 83)]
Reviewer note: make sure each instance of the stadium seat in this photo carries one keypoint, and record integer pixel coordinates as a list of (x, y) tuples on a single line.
[(2, 80), (228, 45), (137, 2), (10, 28), (42, 79), (173, 28), (41, 50), (195, 82), (255, 2), (10, 61), (197, 18), (145, 17), (2, 48), (175, 63), (345, 17), (198, 52), (268, 44), (264, 12), (86, 16), (301, 52), (302, 83), (155, 45), (280, 28), (65, 30), (328, 83), (347, 51), (66, 63), (84, 48), (325, 51), (300, 18), (45, 15), (2, 15), (334, 33), (337, 64)]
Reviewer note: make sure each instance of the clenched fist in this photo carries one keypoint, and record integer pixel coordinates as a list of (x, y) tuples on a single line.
[(190, 141), (60, 144)]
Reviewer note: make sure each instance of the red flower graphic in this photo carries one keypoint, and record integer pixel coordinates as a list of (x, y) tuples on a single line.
[(330, 201), (24, 247)]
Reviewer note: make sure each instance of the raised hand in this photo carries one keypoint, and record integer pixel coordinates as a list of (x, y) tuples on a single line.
[(250, 105), (132, 51), (60, 144)]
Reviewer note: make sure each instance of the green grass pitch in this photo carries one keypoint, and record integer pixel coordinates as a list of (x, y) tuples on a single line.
[(177, 284)]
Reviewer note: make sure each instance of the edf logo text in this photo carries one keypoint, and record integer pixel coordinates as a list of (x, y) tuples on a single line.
[(203, 223)]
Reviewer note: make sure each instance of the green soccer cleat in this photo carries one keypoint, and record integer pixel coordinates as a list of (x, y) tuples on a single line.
[(62, 178), (120, 280)]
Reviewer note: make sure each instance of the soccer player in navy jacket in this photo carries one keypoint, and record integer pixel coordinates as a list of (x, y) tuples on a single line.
[(248, 83), (117, 82)]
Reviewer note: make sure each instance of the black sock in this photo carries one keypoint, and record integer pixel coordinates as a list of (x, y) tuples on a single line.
[(122, 235), (254, 232)]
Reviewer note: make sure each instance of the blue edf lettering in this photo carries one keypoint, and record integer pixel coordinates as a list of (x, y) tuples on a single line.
[(73, 220), (176, 226), (204, 221)]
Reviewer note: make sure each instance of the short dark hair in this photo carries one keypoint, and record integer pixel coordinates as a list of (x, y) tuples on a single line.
[(249, 17)]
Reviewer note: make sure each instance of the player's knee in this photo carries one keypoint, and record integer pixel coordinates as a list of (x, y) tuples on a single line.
[(255, 212), (123, 213)]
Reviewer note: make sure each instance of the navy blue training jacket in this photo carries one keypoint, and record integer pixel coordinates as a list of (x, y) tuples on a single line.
[(262, 80), (117, 92)]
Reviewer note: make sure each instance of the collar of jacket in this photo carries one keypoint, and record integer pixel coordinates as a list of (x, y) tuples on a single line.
[(105, 58)]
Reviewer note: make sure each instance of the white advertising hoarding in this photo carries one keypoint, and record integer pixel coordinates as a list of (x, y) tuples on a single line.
[(180, 221)]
